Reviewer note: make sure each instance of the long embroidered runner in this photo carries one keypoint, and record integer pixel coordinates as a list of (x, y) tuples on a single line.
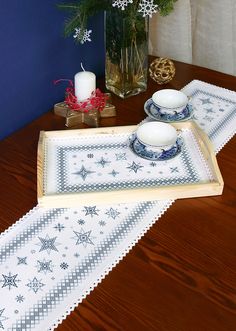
[(52, 258)]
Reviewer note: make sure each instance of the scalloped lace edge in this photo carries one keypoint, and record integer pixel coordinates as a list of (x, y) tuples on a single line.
[(110, 267), (19, 221)]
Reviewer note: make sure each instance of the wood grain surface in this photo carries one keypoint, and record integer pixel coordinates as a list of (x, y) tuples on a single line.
[(181, 276)]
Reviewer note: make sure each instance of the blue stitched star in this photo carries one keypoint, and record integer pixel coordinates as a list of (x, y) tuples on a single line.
[(209, 110), (59, 227), (91, 210), (113, 213), (121, 157), (174, 169), (103, 162), (35, 285), (83, 172), (19, 298), (134, 167), (10, 281), (113, 173), (21, 260), (48, 244), (206, 101), (83, 238), (45, 266)]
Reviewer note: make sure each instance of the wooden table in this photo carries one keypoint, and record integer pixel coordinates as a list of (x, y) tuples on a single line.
[(181, 276)]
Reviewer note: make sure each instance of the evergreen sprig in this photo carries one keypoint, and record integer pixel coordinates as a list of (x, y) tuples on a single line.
[(80, 11)]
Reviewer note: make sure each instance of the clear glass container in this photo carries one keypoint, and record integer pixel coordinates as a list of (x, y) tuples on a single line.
[(126, 38)]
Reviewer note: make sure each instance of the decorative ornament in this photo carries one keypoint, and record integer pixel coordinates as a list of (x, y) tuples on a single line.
[(121, 3), (82, 35), (147, 7), (162, 70)]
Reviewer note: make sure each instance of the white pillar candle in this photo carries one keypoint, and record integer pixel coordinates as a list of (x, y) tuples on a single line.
[(85, 84)]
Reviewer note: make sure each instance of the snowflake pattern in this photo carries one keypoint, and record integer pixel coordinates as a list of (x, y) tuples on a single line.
[(10, 281), (64, 265), (83, 172), (48, 244), (83, 238), (35, 285), (91, 210), (21, 260), (44, 266), (113, 213), (82, 35), (20, 298), (121, 3), (135, 167), (147, 7), (59, 227)]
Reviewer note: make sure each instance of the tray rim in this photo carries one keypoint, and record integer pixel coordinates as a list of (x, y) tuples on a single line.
[(118, 196)]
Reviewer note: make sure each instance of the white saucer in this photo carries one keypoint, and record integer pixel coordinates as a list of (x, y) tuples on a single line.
[(154, 112)]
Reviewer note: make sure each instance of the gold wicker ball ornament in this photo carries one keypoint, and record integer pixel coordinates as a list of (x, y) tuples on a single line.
[(162, 70)]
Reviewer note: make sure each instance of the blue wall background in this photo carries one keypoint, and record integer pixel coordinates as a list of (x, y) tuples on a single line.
[(34, 53)]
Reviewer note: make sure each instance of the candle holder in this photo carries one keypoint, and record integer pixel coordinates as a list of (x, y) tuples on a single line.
[(84, 113)]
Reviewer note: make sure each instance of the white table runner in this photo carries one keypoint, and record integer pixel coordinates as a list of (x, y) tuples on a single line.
[(52, 258)]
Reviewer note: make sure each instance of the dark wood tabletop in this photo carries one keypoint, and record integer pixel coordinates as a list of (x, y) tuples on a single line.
[(181, 276)]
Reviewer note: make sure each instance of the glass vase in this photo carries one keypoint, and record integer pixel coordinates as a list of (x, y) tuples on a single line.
[(126, 40)]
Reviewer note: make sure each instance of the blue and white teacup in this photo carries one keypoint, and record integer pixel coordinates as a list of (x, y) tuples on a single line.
[(170, 101), (156, 141)]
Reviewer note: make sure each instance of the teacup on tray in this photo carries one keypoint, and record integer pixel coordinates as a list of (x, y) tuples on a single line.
[(156, 141), (170, 101)]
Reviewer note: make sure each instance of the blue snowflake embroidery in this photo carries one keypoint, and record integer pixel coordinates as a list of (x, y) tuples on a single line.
[(206, 101), (83, 172), (134, 167), (153, 164), (10, 280), (19, 298), (81, 222), (102, 223), (174, 169), (64, 265), (35, 285), (45, 266), (209, 110), (113, 173), (48, 244), (91, 210), (21, 260), (121, 157), (83, 238), (102, 162), (59, 227), (113, 213)]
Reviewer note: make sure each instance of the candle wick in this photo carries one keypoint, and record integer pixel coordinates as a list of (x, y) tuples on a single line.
[(81, 64)]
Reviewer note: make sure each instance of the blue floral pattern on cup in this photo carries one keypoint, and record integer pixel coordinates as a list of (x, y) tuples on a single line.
[(159, 154), (153, 111)]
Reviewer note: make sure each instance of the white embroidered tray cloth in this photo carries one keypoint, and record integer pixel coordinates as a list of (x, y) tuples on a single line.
[(52, 258)]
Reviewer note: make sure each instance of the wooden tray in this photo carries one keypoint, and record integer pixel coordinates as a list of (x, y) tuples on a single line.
[(214, 186)]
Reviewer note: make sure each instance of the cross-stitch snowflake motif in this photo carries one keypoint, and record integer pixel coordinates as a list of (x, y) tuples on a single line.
[(121, 3), (147, 7), (82, 35)]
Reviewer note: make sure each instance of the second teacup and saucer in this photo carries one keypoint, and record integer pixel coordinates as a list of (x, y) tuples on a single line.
[(168, 105)]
